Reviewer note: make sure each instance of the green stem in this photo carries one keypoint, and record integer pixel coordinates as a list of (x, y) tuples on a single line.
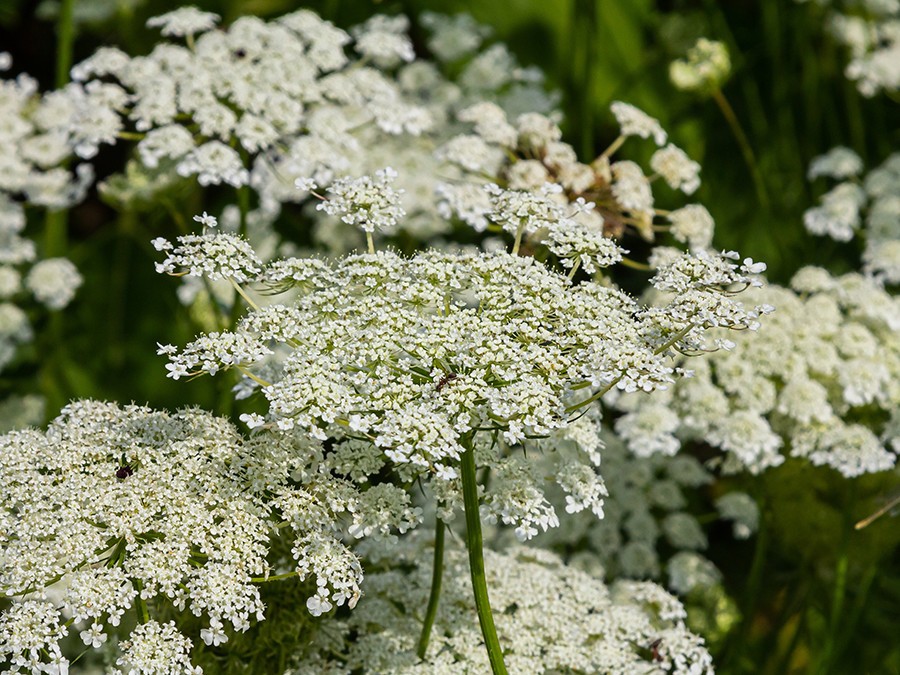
[(437, 574), (370, 242), (635, 265), (56, 221), (476, 561), (65, 35), (744, 143), (615, 145), (247, 299), (276, 577), (518, 242), (140, 604)]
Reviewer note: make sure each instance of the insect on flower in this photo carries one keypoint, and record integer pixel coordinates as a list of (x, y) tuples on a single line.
[(445, 380)]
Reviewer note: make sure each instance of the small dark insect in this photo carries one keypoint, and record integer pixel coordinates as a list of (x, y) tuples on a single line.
[(654, 649), (124, 472), (445, 380), (240, 53)]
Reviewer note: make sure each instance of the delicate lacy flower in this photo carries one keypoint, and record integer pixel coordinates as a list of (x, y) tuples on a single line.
[(383, 39), (155, 648), (706, 68), (839, 163), (605, 629), (635, 122), (366, 202), (576, 244), (632, 188), (874, 45), (30, 632), (687, 571), (838, 217), (53, 281), (413, 355), (693, 225), (523, 211), (216, 255), (742, 510), (184, 21), (453, 37), (214, 163), (678, 170), (798, 385)]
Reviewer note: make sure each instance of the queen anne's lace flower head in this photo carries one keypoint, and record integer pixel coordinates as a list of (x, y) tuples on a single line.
[(635, 122), (184, 21), (368, 203), (678, 170), (797, 387), (706, 68), (607, 629)]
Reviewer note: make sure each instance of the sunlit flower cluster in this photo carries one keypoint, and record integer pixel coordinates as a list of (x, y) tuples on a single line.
[(261, 104), (129, 507), (800, 388)]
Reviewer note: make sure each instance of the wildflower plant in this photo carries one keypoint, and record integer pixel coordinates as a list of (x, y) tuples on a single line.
[(444, 363), (391, 375)]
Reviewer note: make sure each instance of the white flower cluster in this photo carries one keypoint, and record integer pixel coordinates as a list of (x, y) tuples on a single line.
[(705, 69), (644, 511), (801, 387), (367, 203), (873, 39), (128, 506), (419, 355), (550, 618), (38, 140), (261, 104), (32, 172), (870, 205), (635, 122), (215, 255)]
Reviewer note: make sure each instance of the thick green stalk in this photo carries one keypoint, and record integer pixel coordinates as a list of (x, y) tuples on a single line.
[(476, 562), (437, 575), (65, 35)]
